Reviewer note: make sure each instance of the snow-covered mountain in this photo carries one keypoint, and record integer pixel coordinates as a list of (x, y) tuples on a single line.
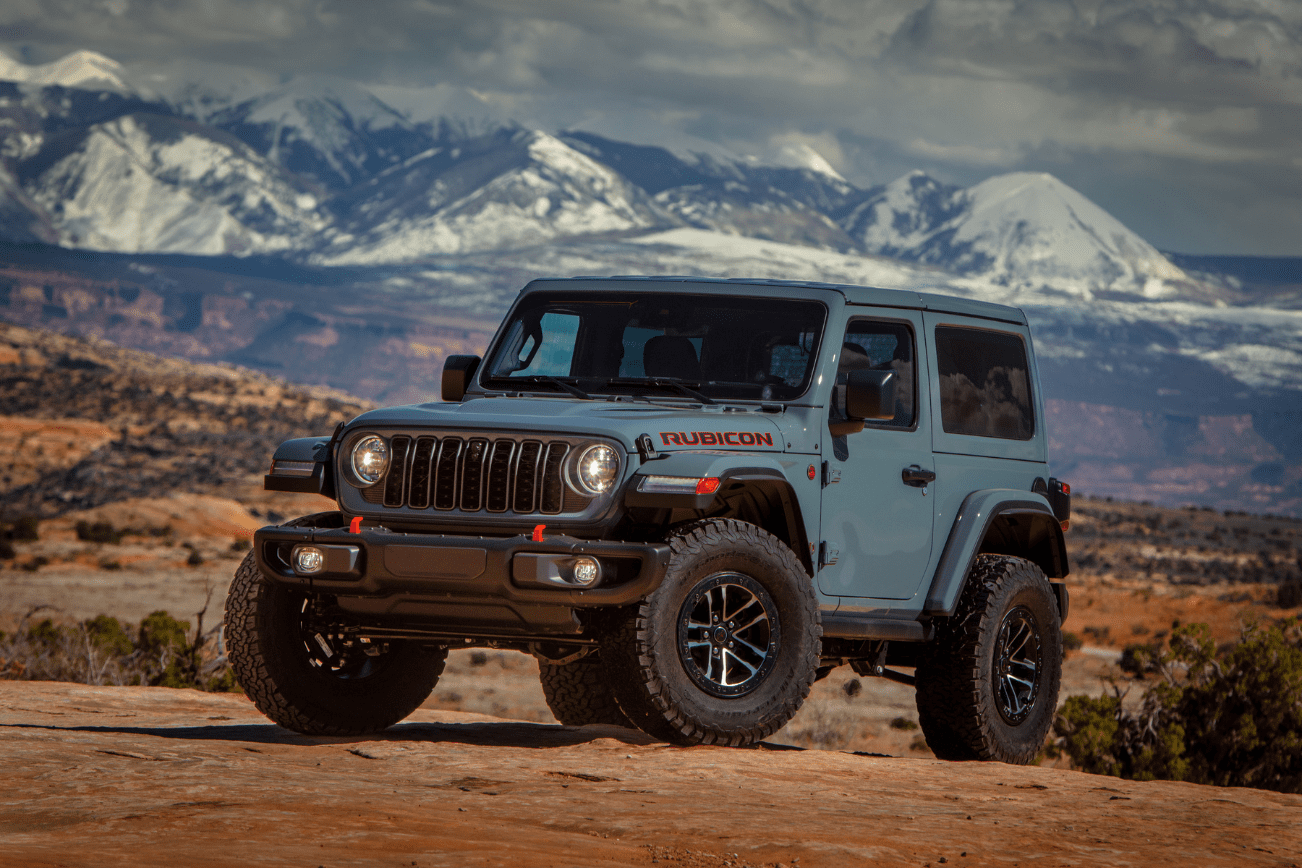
[(87, 70), (514, 188), (1020, 230), (332, 132), (150, 183)]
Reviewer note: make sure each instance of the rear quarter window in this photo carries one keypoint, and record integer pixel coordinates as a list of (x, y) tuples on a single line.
[(985, 383)]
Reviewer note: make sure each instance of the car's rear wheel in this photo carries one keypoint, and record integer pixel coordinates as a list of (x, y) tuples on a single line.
[(988, 683), (309, 678), (578, 693), (725, 650)]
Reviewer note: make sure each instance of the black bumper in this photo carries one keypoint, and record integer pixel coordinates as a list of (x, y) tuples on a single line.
[(460, 585)]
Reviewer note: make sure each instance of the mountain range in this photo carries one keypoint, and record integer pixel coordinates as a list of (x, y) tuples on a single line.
[(314, 229), (323, 171)]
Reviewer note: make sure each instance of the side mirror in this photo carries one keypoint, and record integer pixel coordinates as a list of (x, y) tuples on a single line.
[(458, 371), (869, 395)]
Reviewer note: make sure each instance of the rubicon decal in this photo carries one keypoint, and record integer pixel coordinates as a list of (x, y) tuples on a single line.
[(715, 438)]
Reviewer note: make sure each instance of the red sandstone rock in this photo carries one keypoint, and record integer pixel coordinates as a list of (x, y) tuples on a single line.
[(152, 776)]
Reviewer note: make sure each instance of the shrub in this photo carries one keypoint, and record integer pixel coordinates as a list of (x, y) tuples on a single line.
[(1072, 641), (1230, 716), (25, 529), (195, 559), (7, 551), (98, 532), (1289, 595), (161, 652)]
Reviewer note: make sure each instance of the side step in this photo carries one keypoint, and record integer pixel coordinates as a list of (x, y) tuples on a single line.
[(847, 625)]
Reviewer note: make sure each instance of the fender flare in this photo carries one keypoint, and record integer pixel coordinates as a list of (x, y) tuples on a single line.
[(314, 449), (733, 472), (982, 511)]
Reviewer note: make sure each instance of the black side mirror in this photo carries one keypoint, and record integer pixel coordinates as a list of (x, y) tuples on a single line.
[(458, 371), (869, 395)]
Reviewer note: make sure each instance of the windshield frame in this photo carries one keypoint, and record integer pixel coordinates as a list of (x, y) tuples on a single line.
[(652, 388)]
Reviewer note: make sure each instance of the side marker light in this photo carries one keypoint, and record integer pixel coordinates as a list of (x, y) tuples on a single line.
[(538, 532), (708, 485), (355, 526)]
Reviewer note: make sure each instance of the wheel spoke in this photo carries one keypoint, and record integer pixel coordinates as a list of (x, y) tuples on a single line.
[(758, 652)]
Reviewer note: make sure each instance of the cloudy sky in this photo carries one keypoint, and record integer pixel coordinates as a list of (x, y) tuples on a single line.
[(1181, 117)]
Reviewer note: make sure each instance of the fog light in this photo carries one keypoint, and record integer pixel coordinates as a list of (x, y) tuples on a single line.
[(586, 571), (308, 560)]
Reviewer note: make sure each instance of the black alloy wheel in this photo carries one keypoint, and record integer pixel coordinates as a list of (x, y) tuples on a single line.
[(728, 634)]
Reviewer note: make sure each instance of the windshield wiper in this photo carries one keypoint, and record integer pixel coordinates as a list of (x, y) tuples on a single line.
[(552, 381), (677, 385)]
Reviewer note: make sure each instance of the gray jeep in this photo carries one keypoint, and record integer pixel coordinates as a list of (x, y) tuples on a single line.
[(689, 499)]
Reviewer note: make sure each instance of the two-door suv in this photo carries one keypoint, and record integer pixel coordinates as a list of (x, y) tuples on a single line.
[(689, 499)]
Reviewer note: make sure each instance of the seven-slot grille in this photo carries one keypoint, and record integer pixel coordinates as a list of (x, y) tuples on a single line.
[(474, 474)]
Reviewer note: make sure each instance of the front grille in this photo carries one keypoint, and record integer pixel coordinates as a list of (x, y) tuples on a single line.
[(475, 474)]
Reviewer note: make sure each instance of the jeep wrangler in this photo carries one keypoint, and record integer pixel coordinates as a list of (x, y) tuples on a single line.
[(689, 499)]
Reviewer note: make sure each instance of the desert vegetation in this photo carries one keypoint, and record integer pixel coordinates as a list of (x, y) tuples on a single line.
[(1229, 716), (160, 651)]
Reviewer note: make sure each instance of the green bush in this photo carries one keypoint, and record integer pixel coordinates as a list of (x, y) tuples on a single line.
[(1229, 716), (161, 652)]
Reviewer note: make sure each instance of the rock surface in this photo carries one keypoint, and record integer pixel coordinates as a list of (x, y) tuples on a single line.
[(151, 776)]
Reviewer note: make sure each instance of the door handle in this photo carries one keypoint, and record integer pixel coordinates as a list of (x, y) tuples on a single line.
[(917, 476)]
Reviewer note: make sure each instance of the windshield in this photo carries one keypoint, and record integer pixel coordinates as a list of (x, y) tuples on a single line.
[(692, 347)]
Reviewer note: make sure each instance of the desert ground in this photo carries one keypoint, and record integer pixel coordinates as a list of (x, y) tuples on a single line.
[(138, 776)]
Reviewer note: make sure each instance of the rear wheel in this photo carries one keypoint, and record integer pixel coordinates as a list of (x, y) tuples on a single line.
[(579, 694), (725, 650), (988, 683), (310, 679)]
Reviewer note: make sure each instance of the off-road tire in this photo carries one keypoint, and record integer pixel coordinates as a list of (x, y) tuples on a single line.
[(272, 664), (578, 693), (959, 704), (654, 685)]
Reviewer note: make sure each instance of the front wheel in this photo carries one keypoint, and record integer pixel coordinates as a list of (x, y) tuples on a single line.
[(725, 650), (311, 680), (988, 683)]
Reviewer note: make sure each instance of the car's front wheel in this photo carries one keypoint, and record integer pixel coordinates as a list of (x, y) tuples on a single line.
[(311, 679), (725, 650)]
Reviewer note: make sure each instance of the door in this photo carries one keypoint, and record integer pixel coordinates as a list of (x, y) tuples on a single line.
[(877, 495)]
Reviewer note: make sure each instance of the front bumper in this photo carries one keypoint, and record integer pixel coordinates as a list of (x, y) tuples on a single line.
[(461, 585)]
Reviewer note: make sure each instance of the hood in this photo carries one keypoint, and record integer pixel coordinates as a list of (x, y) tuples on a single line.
[(671, 427)]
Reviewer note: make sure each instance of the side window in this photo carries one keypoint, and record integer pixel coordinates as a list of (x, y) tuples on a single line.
[(880, 346), (985, 385), (547, 349)]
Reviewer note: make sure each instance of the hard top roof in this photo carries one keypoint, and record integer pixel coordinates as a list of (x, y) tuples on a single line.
[(867, 295)]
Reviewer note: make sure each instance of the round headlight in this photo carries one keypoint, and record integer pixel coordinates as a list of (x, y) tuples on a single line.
[(370, 459), (597, 468)]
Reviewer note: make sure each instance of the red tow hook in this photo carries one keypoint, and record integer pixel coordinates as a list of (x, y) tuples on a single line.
[(356, 525), (538, 532)]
